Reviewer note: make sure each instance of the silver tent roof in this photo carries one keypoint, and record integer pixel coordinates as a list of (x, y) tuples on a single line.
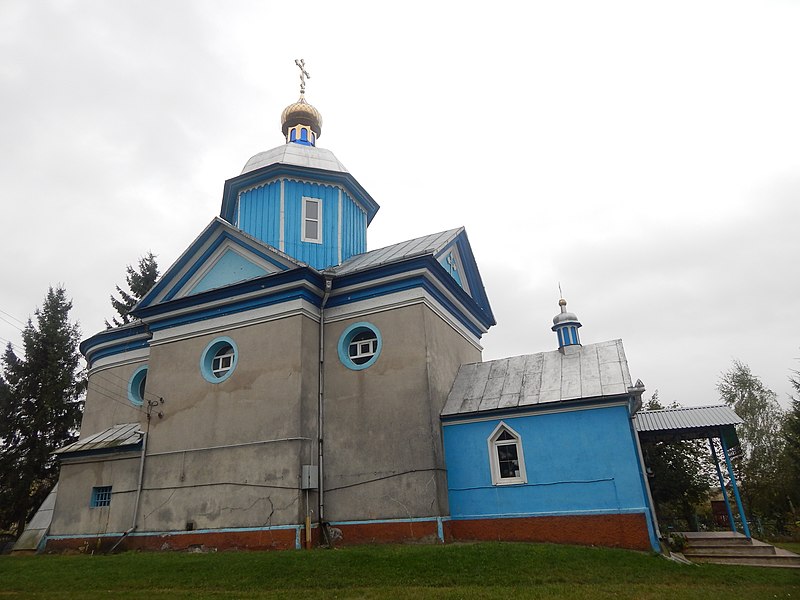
[(118, 436), (591, 371), (296, 155)]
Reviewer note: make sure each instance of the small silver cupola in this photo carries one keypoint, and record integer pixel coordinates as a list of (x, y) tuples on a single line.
[(566, 325)]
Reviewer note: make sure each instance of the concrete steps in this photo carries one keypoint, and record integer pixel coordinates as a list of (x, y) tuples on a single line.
[(728, 548)]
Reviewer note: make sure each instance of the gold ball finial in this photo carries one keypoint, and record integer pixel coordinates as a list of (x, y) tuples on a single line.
[(562, 302)]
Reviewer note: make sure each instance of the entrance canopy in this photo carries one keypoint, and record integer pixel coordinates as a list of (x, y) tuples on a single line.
[(696, 423), (693, 423)]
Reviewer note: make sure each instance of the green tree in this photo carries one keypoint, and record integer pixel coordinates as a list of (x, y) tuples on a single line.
[(139, 283), (41, 406), (759, 463), (791, 437), (680, 473)]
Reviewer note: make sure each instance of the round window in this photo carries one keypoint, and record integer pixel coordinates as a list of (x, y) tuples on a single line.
[(137, 385), (359, 346), (219, 360)]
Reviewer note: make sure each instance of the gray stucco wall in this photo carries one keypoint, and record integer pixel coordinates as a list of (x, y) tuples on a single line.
[(383, 449), (73, 514), (107, 399), (230, 454)]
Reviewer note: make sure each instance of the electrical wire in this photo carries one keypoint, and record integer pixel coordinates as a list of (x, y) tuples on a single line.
[(2, 318), (103, 375), (23, 323)]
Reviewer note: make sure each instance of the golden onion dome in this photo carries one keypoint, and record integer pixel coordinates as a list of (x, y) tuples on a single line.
[(301, 113)]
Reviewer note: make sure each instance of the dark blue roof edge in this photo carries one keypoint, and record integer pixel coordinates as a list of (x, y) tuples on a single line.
[(100, 451), (234, 185), (594, 401), (474, 279), (115, 334), (225, 230), (482, 312)]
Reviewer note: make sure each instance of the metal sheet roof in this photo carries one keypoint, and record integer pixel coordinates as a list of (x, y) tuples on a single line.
[(591, 371), (118, 436), (429, 244), (689, 418), (36, 529), (296, 155)]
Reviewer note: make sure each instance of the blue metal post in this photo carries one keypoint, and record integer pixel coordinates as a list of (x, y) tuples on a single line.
[(735, 486), (722, 485)]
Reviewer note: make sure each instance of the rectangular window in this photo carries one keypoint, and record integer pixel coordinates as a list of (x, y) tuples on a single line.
[(363, 348), (222, 363), (312, 220), (507, 460), (505, 453), (101, 496)]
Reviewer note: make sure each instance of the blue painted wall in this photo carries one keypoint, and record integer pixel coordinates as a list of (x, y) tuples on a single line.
[(577, 462), (354, 228), (230, 268), (259, 215)]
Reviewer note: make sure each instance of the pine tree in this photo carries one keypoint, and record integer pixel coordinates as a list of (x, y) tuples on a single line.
[(41, 407), (139, 283)]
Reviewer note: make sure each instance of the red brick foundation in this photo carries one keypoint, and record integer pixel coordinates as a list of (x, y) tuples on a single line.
[(620, 531), (273, 539), (384, 533)]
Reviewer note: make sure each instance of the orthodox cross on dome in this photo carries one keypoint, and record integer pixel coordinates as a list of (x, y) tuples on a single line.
[(301, 64)]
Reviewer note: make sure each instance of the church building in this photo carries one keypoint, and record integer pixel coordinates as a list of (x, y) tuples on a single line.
[(286, 387)]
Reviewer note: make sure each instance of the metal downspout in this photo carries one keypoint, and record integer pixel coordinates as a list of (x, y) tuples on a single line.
[(320, 413), (138, 488), (141, 477)]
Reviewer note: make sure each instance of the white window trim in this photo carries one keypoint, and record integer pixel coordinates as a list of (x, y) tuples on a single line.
[(494, 460), (221, 370), (372, 348), (318, 202)]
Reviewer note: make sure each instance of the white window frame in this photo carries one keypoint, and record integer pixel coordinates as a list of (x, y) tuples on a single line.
[(494, 459), (220, 371), (305, 218), (364, 348)]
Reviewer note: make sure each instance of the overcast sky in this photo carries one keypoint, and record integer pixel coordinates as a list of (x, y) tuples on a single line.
[(646, 155)]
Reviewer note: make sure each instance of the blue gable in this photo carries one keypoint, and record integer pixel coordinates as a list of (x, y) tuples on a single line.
[(221, 255), (231, 267)]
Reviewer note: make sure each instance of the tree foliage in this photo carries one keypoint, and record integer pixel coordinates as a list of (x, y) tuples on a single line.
[(139, 283), (791, 438), (760, 463), (679, 472), (40, 408)]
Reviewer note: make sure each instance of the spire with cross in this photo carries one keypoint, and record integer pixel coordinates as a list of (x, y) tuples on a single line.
[(301, 64)]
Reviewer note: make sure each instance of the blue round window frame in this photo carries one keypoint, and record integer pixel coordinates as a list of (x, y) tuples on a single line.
[(347, 337), (135, 391), (210, 352)]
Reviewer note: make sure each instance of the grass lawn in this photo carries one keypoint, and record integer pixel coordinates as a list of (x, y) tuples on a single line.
[(488, 570), (790, 546)]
